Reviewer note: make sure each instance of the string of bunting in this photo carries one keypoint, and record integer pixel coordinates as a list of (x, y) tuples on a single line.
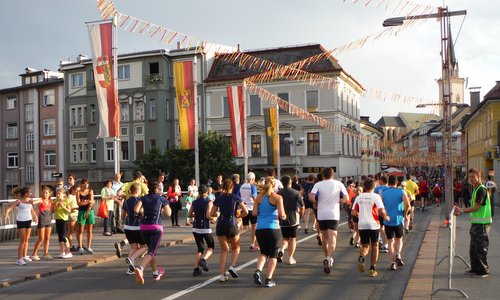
[(405, 7)]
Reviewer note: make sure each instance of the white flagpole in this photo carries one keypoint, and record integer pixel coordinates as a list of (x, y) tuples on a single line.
[(115, 78), (245, 137), (278, 159), (196, 144)]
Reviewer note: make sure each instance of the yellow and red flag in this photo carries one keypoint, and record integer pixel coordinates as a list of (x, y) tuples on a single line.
[(184, 91), (101, 45), (270, 120)]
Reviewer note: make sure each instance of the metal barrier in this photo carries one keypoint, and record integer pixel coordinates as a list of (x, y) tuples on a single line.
[(8, 228), (452, 225)]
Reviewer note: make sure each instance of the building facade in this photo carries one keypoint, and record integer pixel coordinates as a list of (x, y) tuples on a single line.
[(371, 148)]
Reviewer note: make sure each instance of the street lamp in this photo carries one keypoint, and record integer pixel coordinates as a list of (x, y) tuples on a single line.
[(300, 141)]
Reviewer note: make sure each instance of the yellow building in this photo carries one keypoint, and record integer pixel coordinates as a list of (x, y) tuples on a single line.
[(481, 128)]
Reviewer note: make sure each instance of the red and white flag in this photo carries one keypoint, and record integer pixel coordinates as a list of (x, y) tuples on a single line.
[(101, 46), (237, 116)]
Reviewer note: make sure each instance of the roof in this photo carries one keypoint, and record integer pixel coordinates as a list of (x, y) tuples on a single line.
[(415, 120), (390, 121), (494, 93), (226, 71), (47, 82)]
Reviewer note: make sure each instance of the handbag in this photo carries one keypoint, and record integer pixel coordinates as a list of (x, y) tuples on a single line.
[(103, 210)]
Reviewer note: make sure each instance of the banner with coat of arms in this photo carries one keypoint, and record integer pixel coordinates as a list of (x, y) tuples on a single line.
[(184, 91), (101, 46)]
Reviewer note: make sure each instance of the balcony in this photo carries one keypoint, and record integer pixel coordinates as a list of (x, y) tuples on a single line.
[(153, 78)]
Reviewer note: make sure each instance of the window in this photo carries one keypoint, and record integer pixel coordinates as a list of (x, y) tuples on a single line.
[(312, 100), (225, 107), (11, 103), (50, 158), (139, 130), (28, 112), (124, 113), (49, 127), (152, 109), (12, 131), (12, 160), (93, 152), (284, 145), (124, 131), (255, 105), (154, 68), (49, 98), (256, 145), (30, 142), (79, 152), (77, 115), (92, 114), (124, 150), (286, 97), (139, 148), (152, 142), (110, 151), (123, 72), (30, 173), (138, 110), (313, 143), (76, 80)]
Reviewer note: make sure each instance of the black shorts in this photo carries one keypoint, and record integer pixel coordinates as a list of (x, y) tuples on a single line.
[(228, 230), (23, 224), (394, 231), (412, 203), (328, 224), (269, 241), (152, 239), (134, 237), (289, 231), (201, 239), (369, 236), (307, 203), (355, 219), (249, 219)]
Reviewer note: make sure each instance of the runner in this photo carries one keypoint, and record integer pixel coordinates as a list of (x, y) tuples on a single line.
[(150, 207), (307, 186), (268, 208), (396, 205), (200, 212), (228, 204), (368, 207), (382, 186), (248, 193), (329, 199), (412, 188), (423, 188)]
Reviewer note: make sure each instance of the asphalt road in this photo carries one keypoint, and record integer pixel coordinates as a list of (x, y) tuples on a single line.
[(305, 280)]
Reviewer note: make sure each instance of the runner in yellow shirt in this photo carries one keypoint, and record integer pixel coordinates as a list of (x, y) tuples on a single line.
[(412, 189)]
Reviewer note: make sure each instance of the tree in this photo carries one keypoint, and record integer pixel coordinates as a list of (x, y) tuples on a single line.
[(151, 163)]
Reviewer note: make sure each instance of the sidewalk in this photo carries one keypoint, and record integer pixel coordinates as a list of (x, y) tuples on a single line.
[(427, 276), (103, 246)]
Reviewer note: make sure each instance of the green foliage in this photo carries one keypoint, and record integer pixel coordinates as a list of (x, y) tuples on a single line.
[(151, 163)]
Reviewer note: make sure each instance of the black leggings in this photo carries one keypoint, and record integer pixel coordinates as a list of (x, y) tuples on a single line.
[(174, 206), (62, 229), (201, 239)]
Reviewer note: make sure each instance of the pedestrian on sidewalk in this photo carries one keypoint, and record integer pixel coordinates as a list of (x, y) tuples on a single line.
[(108, 195), (174, 197), (25, 215), (492, 192), (268, 208), (368, 207), (86, 217), (44, 227), (200, 212), (132, 228), (231, 207), (480, 219), (150, 208), (331, 193), (397, 205), (61, 208), (294, 209)]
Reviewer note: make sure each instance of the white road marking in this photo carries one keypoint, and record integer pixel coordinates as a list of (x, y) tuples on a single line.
[(216, 278)]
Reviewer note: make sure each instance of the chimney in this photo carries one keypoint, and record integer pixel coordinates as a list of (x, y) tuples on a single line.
[(29, 70), (474, 97)]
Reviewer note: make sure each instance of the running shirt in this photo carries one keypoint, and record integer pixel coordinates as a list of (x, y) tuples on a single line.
[(152, 205), (268, 215), (131, 222), (328, 192), (380, 188), (227, 204), (248, 192), (394, 206), (201, 224), (126, 189), (23, 212), (411, 188), (367, 205), (278, 185), (292, 201)]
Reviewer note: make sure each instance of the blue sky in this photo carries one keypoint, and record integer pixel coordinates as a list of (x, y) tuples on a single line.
[(39, 34)]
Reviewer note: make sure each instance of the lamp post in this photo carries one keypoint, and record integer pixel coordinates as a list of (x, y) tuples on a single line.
[(444, 17), (300, 141)]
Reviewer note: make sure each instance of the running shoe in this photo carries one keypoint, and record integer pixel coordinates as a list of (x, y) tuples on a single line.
[(139, 276), (351, 241), (256, 278), (73, 249), (320, 241), (384, 249), (47, 257), (361, 264), (35, 257), (20, 262), (158, 274), (292, 261), (270, 283), (232, 271), (372, 273), (119, 250), (130, 263), (68, 255), (27, 259), (280, 256), (203, 264), (61, 255), (399, 262), (81, 251), (197, 272), (306, 230), (130, 272), (470, 272), (88, 251), (393, 267), (223, 278), (357, 245), (481, 275), (326, 266)]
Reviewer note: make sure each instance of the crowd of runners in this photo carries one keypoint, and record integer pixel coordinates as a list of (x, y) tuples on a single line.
[(380, 211)]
